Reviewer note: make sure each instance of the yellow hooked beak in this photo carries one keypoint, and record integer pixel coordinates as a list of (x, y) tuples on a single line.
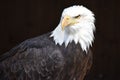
[(67, 21)]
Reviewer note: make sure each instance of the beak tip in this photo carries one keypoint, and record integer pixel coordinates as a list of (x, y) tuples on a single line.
[(62, 26), (65, 22), (62, 29)]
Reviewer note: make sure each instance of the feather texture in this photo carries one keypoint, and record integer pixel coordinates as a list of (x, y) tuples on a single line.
[(40, 59), (58, 55), (81, 32)]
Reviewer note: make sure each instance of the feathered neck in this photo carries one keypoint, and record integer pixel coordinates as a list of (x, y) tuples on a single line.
[(79, 33)]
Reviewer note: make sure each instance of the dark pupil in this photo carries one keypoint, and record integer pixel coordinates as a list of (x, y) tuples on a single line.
[(77, 16)]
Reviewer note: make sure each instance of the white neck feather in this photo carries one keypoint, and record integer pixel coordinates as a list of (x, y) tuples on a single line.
[(82, 34)]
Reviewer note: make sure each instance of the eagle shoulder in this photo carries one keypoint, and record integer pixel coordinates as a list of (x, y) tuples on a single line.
[(34, 57)]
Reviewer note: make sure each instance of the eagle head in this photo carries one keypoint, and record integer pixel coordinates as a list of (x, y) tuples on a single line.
[(76, 24)]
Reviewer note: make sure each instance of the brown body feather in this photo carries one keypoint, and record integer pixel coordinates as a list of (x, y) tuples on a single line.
[(40, 59)]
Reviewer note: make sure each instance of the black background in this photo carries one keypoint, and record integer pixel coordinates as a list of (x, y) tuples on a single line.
[(23, 19)]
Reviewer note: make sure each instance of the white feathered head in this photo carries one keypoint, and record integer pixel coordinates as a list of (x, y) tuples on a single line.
[(76, 24)]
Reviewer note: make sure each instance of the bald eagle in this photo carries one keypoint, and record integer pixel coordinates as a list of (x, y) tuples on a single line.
[(63, 54)]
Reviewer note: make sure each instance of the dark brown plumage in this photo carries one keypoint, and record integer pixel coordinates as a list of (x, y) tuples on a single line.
[(40, 59), (63, 54)]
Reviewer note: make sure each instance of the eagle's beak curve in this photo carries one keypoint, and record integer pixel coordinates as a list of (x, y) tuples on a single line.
[(67, 21)]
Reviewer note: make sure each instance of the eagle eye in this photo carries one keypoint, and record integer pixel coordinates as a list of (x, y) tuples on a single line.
[(77, 16)]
